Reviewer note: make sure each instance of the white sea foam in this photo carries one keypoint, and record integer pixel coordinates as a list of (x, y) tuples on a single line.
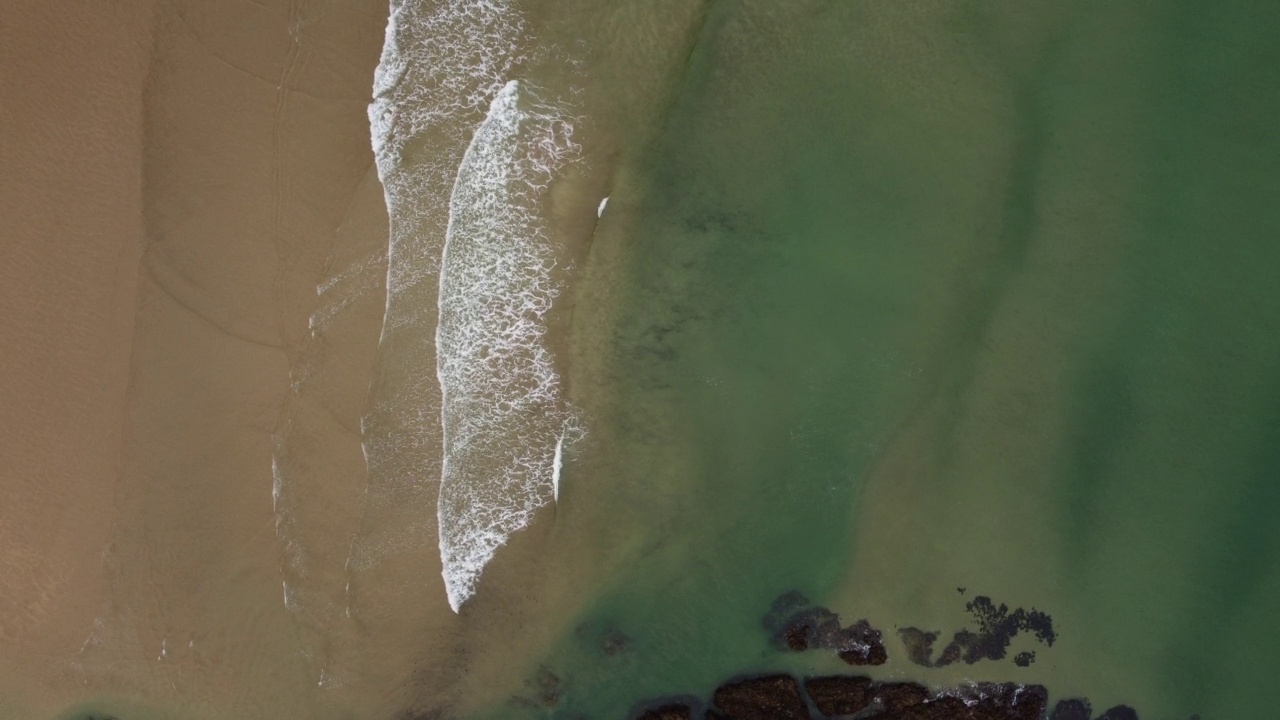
[(504, 422), (557, 464), (603, 204), (442, 63), (469, 261)]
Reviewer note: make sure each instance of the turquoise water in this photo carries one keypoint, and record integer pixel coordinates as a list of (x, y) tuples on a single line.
[(999, 273)]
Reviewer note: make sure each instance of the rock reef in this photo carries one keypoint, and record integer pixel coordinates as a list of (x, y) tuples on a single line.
[(773, 697), (797, 625), (780, 697)]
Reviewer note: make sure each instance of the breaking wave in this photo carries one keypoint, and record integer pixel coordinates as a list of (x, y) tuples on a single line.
[(503, 420), (443, 62)]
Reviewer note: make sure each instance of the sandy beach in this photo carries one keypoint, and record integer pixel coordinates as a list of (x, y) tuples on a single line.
[(71, 192), (180, 178)]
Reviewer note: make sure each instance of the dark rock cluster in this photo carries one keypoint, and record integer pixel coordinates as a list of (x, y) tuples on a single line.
[(780, 697), (997, 626), (840, 695), (774, 697), (1073, 709), (796, 624), (1119, 712), (669, 711)]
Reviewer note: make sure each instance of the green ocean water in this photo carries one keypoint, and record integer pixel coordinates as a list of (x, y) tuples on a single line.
[(921, 295)]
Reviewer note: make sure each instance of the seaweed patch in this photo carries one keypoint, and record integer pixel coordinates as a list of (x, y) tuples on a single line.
[(996, 627)]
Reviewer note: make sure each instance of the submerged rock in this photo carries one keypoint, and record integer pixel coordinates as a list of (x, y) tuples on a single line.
[(672, 711), (997, 626), (614, 643), (861, 644), (783, 609), (547, 686), (774, 697), (603, 638), (797, 625), (804, 626), (839, 695), (1119, 712), (1024, 659), (1072, 709), (950, 653), (919, 645)]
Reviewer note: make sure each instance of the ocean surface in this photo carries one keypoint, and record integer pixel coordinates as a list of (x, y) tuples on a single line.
[(890, 304)]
